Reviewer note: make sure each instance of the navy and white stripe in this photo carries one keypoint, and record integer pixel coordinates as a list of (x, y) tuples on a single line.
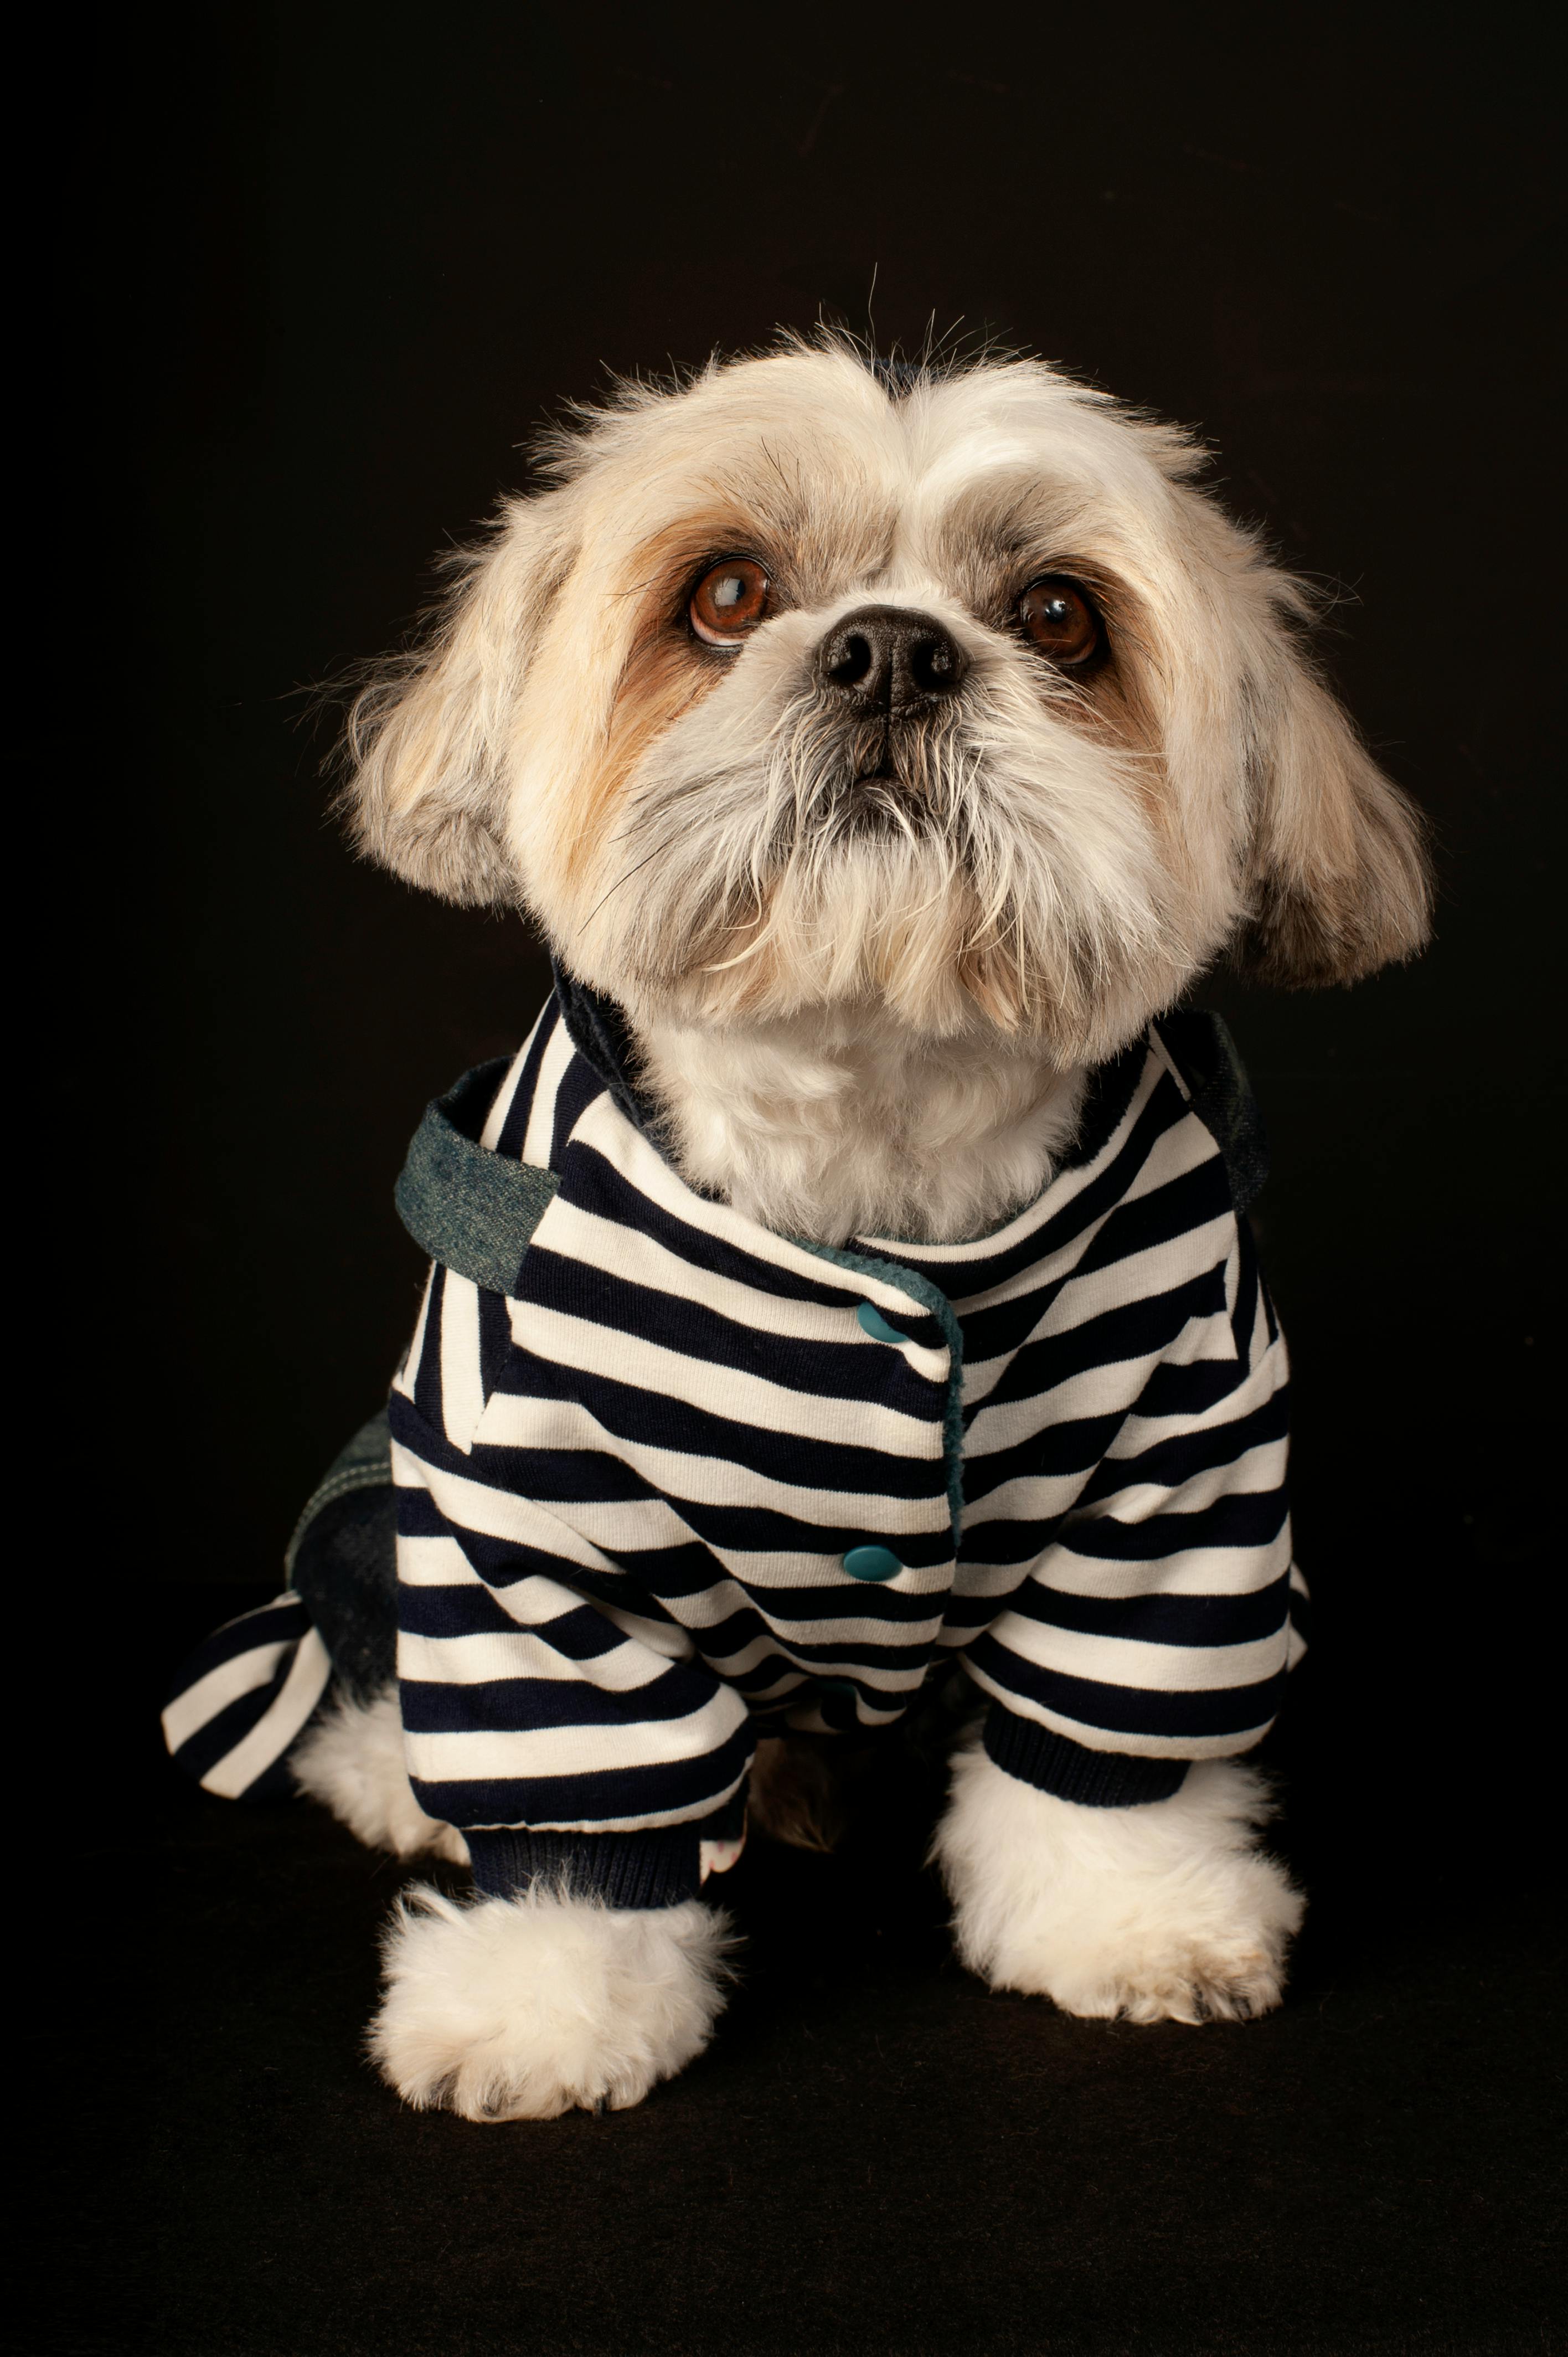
[(250, 1689), (245, 1698), (680, 1481), (627, 1488)]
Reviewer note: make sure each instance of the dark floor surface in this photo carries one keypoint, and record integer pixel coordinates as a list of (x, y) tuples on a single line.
[(875, 2154)]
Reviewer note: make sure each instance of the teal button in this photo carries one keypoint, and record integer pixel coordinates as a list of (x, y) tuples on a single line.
[(840, 1686), (876, 1325), (871, 1563)]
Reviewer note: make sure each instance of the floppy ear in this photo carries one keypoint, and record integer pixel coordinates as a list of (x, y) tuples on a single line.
[(1339, 879), (429, 741)]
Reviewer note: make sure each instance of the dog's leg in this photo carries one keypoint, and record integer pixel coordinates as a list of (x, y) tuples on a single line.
[(1163, 1912), (351, 1761), (511, 2008), (522, 2008)]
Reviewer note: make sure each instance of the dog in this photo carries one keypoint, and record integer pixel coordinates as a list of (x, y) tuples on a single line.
[(846, 1294)]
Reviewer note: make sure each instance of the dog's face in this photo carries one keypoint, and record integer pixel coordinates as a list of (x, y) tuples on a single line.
[(956, 705)]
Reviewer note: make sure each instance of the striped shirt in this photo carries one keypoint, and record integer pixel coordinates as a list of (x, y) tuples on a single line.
[(667, 1480)]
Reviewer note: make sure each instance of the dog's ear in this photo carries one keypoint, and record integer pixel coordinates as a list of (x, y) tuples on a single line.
[(429, 742), (1340, 882)]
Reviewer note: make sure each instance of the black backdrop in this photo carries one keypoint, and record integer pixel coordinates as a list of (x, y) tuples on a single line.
[(352, 257)]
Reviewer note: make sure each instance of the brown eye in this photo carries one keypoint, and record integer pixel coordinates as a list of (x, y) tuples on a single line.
[(729, 601), (1059, 619)]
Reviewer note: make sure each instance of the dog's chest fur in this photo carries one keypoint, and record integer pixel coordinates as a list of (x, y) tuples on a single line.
[(833, 1129)]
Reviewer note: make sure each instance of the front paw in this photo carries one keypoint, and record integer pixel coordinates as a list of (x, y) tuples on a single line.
[(1163, 1912), (524, 2009)]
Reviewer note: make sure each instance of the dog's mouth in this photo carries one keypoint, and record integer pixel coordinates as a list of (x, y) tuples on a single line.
[(857, 789), (896, 757), (880, 802), (882, 794), (876, 770), (884, 774)]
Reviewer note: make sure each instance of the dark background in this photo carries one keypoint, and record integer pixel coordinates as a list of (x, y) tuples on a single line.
[(348, 260)]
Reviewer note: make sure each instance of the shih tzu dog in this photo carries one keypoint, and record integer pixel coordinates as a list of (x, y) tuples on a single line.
[(841, 1312)]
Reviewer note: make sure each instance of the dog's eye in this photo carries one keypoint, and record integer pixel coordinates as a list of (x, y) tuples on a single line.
[(1059, 620), (729, 601)]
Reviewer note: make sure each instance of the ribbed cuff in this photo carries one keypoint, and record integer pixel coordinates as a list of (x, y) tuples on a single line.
[(1071, 1771), (657, 1868)]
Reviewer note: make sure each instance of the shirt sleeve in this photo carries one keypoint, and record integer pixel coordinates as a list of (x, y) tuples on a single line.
[(1156, 1628), (562, 1731)]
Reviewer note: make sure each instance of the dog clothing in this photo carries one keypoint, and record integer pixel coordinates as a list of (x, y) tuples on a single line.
[(664, 1481)]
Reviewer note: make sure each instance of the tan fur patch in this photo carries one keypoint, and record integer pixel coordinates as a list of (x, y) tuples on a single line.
[(794, 1794)]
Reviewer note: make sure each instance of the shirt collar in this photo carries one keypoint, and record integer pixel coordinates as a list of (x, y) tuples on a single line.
[(598, 1029)]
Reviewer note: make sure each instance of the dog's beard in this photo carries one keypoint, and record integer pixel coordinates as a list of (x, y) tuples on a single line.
[(970, 864)]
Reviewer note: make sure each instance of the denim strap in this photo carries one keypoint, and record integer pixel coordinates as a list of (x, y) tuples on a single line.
[(472, 1210)]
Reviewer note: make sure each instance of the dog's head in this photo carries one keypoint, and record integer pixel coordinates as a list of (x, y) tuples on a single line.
[(947, 695)]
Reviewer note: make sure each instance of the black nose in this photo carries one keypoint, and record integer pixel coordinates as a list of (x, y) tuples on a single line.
[(887, 659)]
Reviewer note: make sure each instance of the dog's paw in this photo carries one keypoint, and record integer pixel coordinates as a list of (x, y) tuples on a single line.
[(352, 1762), (524, 2009), (1164, 1973), (1163, 1912)]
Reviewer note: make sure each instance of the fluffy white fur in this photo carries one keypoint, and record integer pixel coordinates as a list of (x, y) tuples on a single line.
[(1166, 1912), (524, 2009), (833, 1129), (352, 1762), (511, 2009)]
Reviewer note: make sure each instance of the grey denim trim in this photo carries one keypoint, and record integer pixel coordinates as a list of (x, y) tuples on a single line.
[(473, 1210), (365, 1464)]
